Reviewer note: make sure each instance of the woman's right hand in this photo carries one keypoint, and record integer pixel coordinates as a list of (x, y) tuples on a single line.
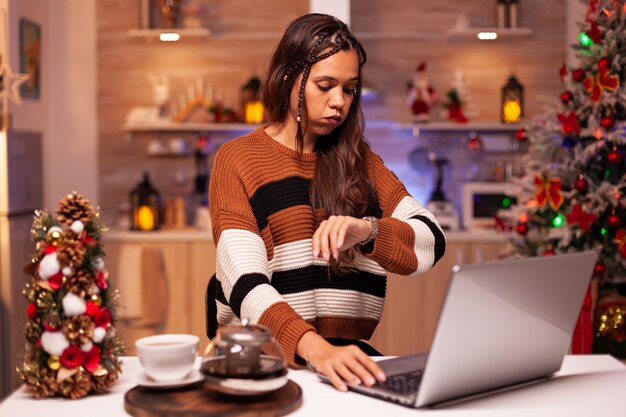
[(340, 364)]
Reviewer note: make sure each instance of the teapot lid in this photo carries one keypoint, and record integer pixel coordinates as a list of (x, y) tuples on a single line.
[(246, 333)]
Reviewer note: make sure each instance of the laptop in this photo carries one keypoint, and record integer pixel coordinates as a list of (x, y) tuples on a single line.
[(503, 324)]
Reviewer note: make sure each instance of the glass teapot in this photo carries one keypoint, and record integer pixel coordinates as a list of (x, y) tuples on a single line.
[(244, 360)]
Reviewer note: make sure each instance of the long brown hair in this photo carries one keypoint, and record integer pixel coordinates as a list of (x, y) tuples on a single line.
[(340, 185)]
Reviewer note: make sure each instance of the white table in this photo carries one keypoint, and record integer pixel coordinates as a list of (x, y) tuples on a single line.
[(588, 385)]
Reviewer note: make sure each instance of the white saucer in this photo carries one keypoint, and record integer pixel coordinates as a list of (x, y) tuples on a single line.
[(191, 378)]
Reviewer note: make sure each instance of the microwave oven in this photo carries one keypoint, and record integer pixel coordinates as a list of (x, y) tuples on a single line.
[(481, 201)]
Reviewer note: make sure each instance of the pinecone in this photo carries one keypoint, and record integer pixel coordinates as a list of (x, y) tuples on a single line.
[(102, 383), (80, 282), (76, 386), (71, 253), (32, 331), (40, 384), (74, 207), (78, 329)]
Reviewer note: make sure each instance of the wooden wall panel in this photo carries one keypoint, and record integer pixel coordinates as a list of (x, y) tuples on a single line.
[(397, 34)]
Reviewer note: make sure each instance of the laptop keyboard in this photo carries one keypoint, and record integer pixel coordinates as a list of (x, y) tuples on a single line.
[(403, 384)]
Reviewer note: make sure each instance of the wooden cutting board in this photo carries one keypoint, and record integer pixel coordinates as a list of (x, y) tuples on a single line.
[(197, 401)]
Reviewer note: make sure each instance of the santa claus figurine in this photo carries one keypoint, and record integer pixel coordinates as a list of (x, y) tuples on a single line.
[(421, 95)]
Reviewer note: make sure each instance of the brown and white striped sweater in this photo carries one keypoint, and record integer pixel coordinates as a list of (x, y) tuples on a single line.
[(263, 223)]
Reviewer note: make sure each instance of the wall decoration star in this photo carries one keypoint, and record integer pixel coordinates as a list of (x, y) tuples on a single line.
[(10, 84)]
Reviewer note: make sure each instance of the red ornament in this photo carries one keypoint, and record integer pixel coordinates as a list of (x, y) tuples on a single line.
[(475, 143), (604, 62), (103, 319), (599, 269), (50, 249), (613, 221), (566, 96), (578, 75), (92, 309), (56, 281), (31, 311), (522, 228), (72, 357), (91, 359), (580, 217), (49, 326), (614, 157), (569, 123), (101, 281), (607, 122), (581, 184), (520, 135), (549, 252)]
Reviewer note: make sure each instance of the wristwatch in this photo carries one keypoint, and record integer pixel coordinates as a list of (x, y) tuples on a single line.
[(374, 223)]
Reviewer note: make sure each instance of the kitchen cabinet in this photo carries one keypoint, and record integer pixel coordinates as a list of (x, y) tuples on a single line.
[(162, 278), (412, 304)]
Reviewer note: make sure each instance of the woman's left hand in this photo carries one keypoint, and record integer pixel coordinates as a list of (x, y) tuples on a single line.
[(339, 233)]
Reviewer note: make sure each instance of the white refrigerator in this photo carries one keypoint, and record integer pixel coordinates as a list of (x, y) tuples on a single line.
[(21, 193)]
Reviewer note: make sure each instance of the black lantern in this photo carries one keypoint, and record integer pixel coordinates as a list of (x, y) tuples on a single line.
[(145, 203), (512, 101), (252, 108)]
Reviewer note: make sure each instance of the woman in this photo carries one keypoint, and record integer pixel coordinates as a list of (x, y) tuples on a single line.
[(306, 219)]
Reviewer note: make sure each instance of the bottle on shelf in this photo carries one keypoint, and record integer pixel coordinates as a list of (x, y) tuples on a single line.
[(501, 13), (513, 13)]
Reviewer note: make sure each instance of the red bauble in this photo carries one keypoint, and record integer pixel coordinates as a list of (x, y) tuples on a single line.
[(599, 269), (103, 319), (31, 310), (93, 310), (549, 252), (604, 63), (91, 359), (578, 75), (566, 96), (72, 357), (607, 122), (581, 184), (520, 134), (614, 157), (613, 221), (475, 143), (522, 228)]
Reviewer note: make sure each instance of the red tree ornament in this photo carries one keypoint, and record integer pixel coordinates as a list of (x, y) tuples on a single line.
[(613, 221), (31, 311), (566, 96), (520, 134), (584, 219), (620, 239), (614, 157), (548, 190), (599, 269), (522, 228), (607, 122), (578, 75), (549, 252), (569, 123), (72, 357), (581, 184)]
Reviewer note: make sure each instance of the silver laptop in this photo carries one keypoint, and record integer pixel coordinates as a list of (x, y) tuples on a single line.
[(503, 324)]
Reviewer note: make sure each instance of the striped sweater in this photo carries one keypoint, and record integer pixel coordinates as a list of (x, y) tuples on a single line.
[(263, 223)]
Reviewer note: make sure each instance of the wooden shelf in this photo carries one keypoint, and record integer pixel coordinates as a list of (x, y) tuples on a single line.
[(502, 33), (154, 34), (442, 126), (189, 127)]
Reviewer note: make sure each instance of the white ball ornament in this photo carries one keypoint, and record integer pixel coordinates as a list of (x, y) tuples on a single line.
[(54, 343), (77, 227), (74, 305), (49, 266), (86, 347), (67, 271), (98, 334), (98, 263)]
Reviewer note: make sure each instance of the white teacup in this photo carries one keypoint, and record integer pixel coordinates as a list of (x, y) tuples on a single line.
[(167, 357)]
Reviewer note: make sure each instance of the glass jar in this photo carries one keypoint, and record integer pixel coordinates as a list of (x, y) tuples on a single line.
[(244, 360)]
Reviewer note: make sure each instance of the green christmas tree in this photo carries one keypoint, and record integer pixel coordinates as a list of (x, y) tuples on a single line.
[(71, 347), (573, 191)]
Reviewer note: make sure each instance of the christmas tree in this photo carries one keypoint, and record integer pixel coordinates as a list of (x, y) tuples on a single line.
[(71, 344), (573, 191)]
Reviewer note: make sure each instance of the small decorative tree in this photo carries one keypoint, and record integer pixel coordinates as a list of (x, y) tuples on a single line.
[(71, 344)]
